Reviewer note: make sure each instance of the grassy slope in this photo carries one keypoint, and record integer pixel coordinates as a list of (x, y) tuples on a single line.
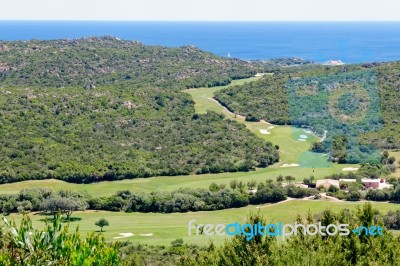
[(168, 183), (286, 137), (203, 97), (167, 227)]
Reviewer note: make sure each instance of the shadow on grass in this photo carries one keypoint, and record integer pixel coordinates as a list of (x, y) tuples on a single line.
[(50, 218)]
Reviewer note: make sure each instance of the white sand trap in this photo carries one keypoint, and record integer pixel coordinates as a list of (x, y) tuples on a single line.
[(123, 235), (303, 137), (146, 234), (290, 165), (271, 127), (350, 169), (302, 140), (264, 131), (307, 131)]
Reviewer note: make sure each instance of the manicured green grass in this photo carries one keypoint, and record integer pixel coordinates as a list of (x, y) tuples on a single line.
[(292, 151), (203, 97), (168, 183), (167, 227)]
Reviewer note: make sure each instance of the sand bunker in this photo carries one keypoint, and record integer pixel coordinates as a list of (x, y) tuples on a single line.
[(146, 234), (307, 131), (264, 131), (123, 235), (271, 127), (302, 140), (350, 169), (303, 137), (290, 165)]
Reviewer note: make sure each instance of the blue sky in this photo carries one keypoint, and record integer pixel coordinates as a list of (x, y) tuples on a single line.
[(211, 10)]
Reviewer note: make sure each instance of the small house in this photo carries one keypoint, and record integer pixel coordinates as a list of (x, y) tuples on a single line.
[(371, 183), (375, 183)]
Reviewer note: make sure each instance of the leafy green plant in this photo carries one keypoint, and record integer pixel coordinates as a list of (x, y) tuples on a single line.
[(54, 245), (300, 249)]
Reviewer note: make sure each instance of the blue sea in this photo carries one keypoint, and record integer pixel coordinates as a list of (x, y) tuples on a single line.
[(351, 42)]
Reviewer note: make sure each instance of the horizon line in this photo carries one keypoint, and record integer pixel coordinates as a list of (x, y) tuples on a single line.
[(268, 21)]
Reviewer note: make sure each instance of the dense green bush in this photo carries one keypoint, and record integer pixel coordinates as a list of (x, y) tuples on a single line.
[(54, 245), (264, 99), (91, 135), (392, 220), (379, 194), (303, 249), (217, 197)]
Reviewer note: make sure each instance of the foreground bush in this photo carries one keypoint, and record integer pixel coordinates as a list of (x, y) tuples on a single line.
[(53, 246), (308, 250)]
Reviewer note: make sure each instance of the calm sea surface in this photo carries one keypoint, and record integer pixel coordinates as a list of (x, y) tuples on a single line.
[(317, 41)]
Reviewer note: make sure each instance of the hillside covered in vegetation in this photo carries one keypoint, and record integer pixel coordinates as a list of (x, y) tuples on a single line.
[(104, 109), (92, 62)]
